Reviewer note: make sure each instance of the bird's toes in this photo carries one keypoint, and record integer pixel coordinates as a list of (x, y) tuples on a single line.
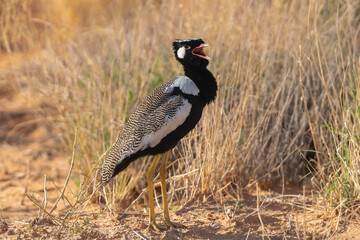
[(174, 224), (157, 227)]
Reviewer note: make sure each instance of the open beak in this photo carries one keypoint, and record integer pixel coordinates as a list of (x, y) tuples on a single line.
[(198, 51)]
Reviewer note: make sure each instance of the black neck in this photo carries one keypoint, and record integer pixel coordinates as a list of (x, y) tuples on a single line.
[(204, 80)]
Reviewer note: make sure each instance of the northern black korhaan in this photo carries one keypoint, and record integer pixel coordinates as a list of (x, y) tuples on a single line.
[(165, 116)]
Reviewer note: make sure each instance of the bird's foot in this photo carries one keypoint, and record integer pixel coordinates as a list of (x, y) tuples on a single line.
[(173, 224), (156, 227)]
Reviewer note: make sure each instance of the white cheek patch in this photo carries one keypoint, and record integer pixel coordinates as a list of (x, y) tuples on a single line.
[(181, 52), (185, 84)]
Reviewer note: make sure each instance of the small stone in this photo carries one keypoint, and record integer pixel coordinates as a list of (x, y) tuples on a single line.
[(217, 224), (143, 225), (3, 226)]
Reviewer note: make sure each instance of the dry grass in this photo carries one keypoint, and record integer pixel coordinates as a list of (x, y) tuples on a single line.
[(288, 74)]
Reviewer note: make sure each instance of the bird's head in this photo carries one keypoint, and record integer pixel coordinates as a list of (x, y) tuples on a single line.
[(190, 52)]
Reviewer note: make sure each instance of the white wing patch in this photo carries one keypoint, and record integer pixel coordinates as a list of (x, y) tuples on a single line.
[(170, 124), (185, 84)]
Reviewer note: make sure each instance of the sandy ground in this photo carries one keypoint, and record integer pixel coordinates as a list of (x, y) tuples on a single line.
[(27, 155)]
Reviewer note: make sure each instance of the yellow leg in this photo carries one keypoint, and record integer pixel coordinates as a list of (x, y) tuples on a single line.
[(150, 177), (163, 192)]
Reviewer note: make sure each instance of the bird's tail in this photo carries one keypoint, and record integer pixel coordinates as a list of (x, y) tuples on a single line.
[(109, 164), (107, 170)]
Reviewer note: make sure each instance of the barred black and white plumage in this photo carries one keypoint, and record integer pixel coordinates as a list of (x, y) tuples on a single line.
[(164, 117), (158, 108)]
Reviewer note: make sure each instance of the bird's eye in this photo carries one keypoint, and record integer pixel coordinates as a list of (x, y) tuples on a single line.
[(186, 47)]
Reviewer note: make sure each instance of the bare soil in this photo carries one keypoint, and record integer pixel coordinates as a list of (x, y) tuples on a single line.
[(27, 154)]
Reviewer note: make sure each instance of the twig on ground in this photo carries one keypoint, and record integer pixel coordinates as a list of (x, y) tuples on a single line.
[(45, 200), (26, 180), (258, 212), (140, 236), (106, 200), (92, 194), (233, 213), (248, 234), (86, 200), (68, 176), (40, 206), (338, 219), (304, 213), (292, 204), (133, 202), (221, 189), (25, 223)]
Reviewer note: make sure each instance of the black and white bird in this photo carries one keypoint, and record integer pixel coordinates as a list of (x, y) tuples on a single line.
[(164, 117)]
